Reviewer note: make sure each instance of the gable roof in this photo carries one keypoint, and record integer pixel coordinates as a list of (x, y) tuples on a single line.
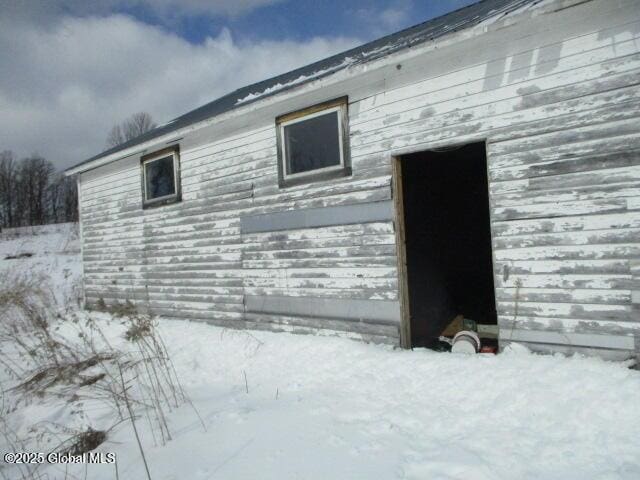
[(430, 30)]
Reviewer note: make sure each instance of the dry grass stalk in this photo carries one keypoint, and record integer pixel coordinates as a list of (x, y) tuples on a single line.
[(140, 378)]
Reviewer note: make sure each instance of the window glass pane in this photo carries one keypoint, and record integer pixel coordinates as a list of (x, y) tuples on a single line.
[(312, 144), (159, 177)]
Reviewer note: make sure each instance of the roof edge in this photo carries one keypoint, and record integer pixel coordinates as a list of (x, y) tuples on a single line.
[(537, 7)]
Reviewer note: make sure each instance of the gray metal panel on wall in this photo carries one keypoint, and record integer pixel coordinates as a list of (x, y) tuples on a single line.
[(622, 342), (371, 311), (318, 217)]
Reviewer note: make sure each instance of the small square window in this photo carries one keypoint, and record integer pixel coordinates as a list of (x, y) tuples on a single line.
[(160, 177), (312, 144)]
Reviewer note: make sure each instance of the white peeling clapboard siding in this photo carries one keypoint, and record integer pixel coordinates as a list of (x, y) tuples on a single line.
[(556, 96), (190, 260), (562, 122)]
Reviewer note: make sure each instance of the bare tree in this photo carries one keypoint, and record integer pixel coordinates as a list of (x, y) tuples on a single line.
[(55, 199), (129, 129), (70, 205), (30, 193), (115, 136), (62, 199), (8, 178), (34, 175)]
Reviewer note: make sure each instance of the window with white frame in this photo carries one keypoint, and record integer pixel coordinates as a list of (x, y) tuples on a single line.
[(160, 177), (312, 143)]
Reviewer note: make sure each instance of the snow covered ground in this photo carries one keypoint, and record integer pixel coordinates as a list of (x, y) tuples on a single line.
[(282, 406), (49, 251)]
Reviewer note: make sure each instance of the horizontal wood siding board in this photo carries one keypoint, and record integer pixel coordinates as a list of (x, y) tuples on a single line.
[(568, 282), (317, 217), (627, 313), (556, 98), (324, 323), (368, 311), (567, 223), (609, 354), (299, 325), (471, 84), (377, 294), (598, 161), (350, 262), (618, 342), (190, 212), (575, 325), (537, 122)]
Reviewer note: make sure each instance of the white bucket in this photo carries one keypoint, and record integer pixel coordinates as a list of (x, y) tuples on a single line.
[(466, 341)]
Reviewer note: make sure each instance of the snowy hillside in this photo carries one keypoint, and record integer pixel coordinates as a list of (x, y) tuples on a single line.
[(280, 406), (48, 251)]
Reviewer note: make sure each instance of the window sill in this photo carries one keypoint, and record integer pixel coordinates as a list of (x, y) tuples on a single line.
[(161, 203), (313, 178)]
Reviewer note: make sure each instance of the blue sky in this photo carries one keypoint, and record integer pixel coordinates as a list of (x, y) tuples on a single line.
[(304, 19), (77, 67), (300, 19)]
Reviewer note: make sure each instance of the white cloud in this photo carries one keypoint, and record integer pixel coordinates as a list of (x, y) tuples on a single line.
[(218, 7), (47, 11), (63, 85), (379, 22), (397, 15)]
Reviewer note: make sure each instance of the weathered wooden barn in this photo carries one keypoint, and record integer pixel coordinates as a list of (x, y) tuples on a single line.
[(486, 162)]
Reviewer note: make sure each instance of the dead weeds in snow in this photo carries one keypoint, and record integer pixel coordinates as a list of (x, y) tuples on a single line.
[(136, 379), (84, 441)]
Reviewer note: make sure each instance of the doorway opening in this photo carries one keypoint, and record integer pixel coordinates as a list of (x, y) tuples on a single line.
[(447, 241)]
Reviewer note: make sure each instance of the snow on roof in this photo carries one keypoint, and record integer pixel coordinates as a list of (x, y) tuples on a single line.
[(472, 15)]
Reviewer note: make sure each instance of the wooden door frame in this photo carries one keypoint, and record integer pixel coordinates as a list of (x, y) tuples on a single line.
[(400, 233), (401, 252)]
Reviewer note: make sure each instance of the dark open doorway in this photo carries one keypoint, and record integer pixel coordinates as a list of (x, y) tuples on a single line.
[(447, 240)]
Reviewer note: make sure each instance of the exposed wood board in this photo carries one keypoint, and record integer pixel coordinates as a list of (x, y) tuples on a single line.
[(350, 262), (548, 153), (559, 209), (593, 237), (179, 213), (565, 267), (552, 92), (620, 176), (569, 310), (477, 129), (594, 109), (373, 228), (478, 62), (508, 104), (608, 354), (619, 342), (565, 295), (589, 192), (566, 282), (604, 128), (349, 241), (577, 325), (218, 244), (345, 272), (498, 111), (566, 224), (595, 161), (324, 293), (595, 252), (328, 283)]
